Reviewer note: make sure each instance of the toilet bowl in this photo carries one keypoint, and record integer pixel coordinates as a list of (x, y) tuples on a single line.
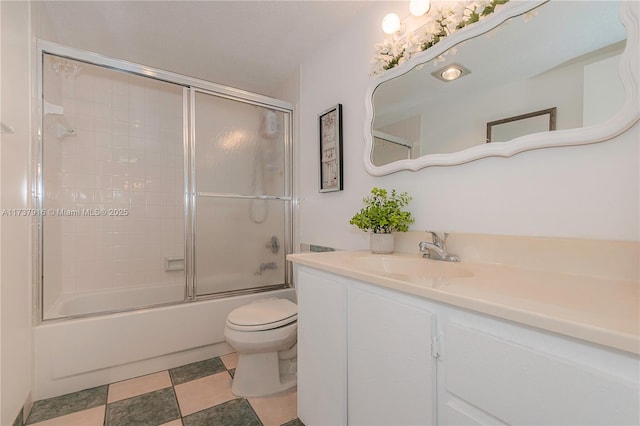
[(264, 334)]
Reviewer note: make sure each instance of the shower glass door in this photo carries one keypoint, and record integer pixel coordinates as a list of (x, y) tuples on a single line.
[(241, 195), (154, 188), (112, 189)]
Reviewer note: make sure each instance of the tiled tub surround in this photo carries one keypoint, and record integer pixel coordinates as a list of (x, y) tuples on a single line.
[(190, 395), (589, 291), (126, 154)]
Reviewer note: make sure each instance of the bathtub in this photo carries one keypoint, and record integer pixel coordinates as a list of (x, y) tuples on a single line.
[(76, 354), (83, 303)]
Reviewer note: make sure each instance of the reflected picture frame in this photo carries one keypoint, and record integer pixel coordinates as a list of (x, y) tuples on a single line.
[(532, 122), (330, 134)]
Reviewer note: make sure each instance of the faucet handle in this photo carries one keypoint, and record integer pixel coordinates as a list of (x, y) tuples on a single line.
[(440, 240)]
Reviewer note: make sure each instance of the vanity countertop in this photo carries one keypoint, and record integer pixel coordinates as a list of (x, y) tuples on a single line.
[(595, 309)]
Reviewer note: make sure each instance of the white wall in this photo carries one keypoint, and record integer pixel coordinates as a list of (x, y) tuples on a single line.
[(601, 101), (579, 192), (15, 275)]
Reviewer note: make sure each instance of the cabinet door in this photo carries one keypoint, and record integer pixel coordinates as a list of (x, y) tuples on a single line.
[(391, 372), (524, 385), (322, 349)]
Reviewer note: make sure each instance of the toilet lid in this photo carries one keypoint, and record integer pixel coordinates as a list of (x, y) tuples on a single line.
[(263, 315)]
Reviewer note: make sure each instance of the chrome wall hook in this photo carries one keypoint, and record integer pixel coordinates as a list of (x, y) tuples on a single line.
[(6, 130)]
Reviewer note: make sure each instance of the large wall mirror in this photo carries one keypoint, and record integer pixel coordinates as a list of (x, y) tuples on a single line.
[(578, 58)]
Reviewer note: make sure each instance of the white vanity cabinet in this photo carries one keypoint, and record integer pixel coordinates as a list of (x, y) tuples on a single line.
[(496, 372), (373, 356), (390, 368), (364, 358), (322, 348)]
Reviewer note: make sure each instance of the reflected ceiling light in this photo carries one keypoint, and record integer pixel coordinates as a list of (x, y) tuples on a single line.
[(391, 23), (451, 72), (419, 7)]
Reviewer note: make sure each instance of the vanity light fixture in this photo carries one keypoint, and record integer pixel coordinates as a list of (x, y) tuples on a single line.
[(451, 72), (419, 7), (391, 23)]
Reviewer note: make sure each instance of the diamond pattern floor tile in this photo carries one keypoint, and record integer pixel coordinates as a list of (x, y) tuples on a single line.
[(230, 360), (200, 392), (149, 409), (91, 417), (66, 404), (233, 413), (275, 410), (196, 370), (138, 386)]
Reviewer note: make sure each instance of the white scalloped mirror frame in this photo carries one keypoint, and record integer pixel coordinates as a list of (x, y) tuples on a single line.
[(628, 115)]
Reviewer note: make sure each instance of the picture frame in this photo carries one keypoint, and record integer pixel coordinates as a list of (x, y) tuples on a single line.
[(330, 132), (509, 128)]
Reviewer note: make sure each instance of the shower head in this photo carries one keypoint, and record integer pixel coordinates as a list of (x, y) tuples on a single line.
[(65, 67)]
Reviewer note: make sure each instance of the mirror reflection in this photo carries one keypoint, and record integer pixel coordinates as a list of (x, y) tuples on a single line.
[(505, 129), (563, 55)]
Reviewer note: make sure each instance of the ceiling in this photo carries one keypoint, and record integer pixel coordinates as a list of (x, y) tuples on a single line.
[(252, 45)]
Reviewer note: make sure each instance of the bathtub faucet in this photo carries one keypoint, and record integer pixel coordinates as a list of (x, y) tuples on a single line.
[(266, 266), (437, 248), (273, 245)]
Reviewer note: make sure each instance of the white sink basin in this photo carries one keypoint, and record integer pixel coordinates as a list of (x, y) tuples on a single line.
[(415, 267)]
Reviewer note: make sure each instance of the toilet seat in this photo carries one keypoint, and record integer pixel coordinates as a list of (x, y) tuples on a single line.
[(265, 314)]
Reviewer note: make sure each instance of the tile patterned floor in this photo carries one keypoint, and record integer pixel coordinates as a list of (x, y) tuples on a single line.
[(197, 394)]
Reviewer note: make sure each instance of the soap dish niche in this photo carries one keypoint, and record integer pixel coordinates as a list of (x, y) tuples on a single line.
[(173, 263)]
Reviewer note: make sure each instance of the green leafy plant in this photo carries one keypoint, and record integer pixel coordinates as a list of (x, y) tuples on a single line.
[(382, 212)]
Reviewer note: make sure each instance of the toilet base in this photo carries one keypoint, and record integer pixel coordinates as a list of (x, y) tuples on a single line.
[(261, 374)]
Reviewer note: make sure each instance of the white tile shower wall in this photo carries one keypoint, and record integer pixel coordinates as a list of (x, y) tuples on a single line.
[(127, 153)]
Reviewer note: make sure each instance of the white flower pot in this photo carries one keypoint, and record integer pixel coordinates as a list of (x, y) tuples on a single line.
[(381, 243)]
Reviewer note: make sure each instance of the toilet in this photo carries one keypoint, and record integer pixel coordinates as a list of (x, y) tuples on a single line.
[(264, 334)]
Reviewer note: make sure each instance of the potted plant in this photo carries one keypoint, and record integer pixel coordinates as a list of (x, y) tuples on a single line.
[(382, 214)]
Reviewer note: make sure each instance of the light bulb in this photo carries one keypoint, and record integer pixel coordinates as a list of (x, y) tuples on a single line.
[(419, 7), (391, 23), (451, 73)]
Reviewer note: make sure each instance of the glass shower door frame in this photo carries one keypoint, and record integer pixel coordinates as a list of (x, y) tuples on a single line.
[(190, 87), (193, 194)]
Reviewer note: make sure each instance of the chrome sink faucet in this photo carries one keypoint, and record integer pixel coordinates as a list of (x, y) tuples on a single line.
[(437, 248)]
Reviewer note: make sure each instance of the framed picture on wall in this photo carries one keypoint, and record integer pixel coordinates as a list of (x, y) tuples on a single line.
[(330, 127)]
